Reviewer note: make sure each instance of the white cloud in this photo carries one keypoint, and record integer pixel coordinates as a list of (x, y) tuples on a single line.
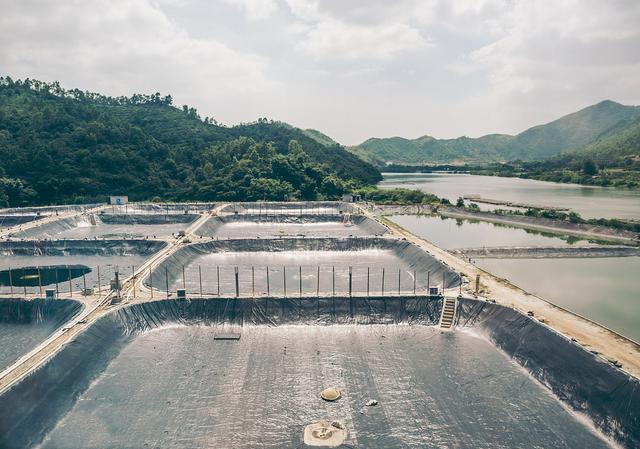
[(337, 40), (122, 46), (255, 9)]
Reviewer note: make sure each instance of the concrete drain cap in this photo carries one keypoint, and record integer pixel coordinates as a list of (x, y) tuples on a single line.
[(330, 394), (324, 433)]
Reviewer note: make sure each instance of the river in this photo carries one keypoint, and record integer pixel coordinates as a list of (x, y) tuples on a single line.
[(588, 201)]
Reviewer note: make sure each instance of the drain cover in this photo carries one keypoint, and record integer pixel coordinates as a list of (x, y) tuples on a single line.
[(324, 433), (330, 394)]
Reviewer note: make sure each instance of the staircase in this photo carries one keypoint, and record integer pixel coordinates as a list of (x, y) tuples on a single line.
[(448, 313)]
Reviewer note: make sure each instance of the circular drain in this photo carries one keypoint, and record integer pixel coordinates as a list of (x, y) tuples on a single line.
[(324, 433), (330, 394)]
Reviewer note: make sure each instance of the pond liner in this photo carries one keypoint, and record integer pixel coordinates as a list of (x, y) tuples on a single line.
[(212, 226), (608, 396), (80, 247), (32, 407), (171, 268), (34, 319)]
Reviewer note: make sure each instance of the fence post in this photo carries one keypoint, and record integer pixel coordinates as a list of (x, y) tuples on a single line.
[(133, 274), (333, 281), (367, 282), (166, 279), (237, 282), (40, 281), (70, 286)]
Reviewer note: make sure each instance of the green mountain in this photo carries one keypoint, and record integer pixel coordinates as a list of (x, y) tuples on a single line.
[(59, 146), (540, 142)]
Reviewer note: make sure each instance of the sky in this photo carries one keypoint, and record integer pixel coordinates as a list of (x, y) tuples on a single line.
[(353, 69)]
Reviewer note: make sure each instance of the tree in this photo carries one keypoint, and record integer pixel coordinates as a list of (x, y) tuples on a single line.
[(590, 168), (460, 202)]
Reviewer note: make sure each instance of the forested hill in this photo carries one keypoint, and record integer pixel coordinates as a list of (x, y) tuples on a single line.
[(568, 133), (59, 146)]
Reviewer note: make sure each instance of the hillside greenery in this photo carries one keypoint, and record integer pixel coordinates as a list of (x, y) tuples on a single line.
[(571, 132), (69, 146)]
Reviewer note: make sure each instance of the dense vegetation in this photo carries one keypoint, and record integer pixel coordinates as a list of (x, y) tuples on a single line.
[(69, 146), (572, 131)]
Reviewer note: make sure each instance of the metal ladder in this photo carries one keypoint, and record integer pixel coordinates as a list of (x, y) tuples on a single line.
[(448, 314)]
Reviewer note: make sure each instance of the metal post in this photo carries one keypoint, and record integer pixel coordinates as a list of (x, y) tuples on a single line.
[(333, 282), (367, 281), (318, 282), (150, 282), (133, 275), (414, 282), (40, 281), (350, 280), (166, 280), (300, 278), (200, 279), (10, 281), (237, 282), (99, 288), (284, 280), (218, 278), (253, 282), (268, 290)]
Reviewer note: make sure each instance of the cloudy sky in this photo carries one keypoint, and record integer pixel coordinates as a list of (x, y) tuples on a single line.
[(350, 68)]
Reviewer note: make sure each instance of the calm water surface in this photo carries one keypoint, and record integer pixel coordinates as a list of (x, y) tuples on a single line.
[(451, 233), (602, 289), (590, 202)]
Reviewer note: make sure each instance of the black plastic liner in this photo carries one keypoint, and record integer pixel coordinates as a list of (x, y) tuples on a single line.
[(361, 224), (142, 219), (171, 268), (31, 408), (80, 247), (7, 221), (589, 385), (24, 324)]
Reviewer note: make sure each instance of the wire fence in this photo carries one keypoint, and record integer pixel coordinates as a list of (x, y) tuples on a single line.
[(292, 281)]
